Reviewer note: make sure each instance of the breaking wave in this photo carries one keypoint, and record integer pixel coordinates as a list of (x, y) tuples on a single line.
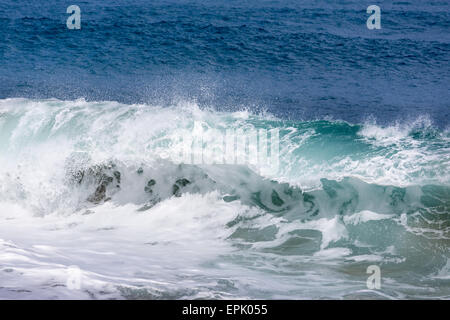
[(92, 184)]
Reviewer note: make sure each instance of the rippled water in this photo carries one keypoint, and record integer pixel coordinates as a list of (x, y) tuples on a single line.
[(89, 122)]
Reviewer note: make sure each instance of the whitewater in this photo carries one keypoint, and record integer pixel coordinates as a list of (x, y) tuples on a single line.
[(91, 187)]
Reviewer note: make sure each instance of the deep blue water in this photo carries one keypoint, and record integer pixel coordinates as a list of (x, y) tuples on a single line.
[(296, 59)]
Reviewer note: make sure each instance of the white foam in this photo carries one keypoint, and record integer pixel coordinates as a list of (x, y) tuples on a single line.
[(114, 246), (365, 216)]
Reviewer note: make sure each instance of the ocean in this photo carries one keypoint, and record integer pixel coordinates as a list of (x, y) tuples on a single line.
[(95, 205)]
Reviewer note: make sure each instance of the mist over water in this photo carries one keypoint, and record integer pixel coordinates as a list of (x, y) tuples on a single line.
[(298, 59), (89, 122)]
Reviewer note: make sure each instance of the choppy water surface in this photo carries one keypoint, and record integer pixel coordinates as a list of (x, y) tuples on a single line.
[(88, 117)]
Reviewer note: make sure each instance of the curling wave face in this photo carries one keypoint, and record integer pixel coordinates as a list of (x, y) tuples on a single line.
[(92, 185)]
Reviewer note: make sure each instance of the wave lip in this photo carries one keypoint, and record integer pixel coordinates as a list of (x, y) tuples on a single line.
[(401, 155)]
